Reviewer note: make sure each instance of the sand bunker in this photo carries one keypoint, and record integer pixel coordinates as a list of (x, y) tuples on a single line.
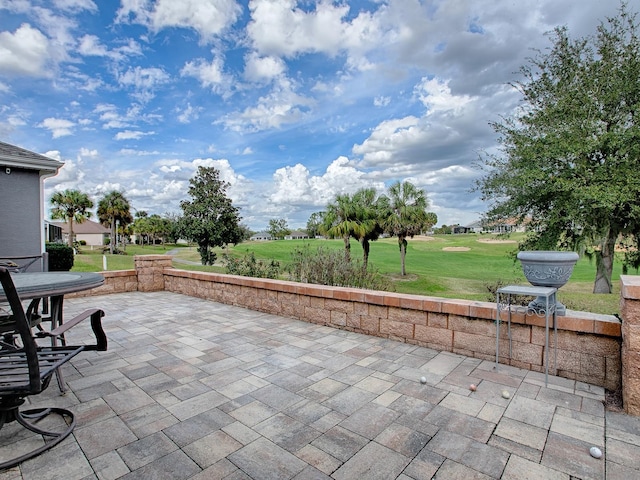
[(456, 249), (424, 238), (494, 240)]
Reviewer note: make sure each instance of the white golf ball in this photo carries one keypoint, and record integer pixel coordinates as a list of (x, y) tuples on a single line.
[(595, 452), (505, 394), (423, 379)]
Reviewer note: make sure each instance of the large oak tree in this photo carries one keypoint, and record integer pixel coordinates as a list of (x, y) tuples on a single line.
[(570, 157), (209, 219)]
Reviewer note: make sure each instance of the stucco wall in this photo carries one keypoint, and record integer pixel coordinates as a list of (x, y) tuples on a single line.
[(20, 212)]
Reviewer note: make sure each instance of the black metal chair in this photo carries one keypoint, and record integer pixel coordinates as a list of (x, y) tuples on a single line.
[(26, 368)]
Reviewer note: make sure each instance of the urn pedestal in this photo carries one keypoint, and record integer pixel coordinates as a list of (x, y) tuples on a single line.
[(546, 268)]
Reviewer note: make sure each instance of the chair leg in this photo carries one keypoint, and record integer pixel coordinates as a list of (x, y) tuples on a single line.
[(28, 419)]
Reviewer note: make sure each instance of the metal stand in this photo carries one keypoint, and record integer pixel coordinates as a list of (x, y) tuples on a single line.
[(547, 310)]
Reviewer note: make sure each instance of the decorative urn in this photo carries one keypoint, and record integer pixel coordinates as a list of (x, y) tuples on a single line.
[(546, 268)]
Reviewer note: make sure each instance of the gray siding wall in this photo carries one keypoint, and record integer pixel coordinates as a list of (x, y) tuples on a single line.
[(20, 222)]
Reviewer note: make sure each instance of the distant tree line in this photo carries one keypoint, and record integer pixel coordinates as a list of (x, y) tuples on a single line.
[(210, 219)]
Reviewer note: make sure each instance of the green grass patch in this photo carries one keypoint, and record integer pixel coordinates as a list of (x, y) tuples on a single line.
[(450, 266)]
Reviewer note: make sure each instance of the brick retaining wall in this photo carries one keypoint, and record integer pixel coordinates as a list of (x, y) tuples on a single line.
[(630, 310), (588, 344)]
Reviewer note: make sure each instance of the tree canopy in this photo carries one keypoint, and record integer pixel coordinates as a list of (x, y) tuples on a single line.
[(406, 215), (356, 216), (209, 219), (278, 228), (114, 209), (569, 158), (71, 206)]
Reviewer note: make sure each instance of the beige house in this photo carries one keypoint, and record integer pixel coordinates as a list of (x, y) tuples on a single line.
[(94, 233)]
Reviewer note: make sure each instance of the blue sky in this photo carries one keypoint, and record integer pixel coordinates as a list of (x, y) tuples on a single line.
[(293, 101)]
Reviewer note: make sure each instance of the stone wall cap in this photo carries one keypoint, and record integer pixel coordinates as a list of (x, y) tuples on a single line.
[(630, 286)]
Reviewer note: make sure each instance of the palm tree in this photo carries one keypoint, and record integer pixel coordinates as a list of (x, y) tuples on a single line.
[(340, 221), (71, 206), (407, 215), (369, 210), (114, 208)]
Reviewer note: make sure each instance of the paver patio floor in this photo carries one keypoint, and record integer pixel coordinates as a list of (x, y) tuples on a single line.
[(195, 389)]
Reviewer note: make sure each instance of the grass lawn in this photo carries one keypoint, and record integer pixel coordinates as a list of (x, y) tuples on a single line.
[(451, 266)]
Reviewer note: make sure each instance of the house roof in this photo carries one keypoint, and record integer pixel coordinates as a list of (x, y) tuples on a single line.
[(12, 156), (84, 228)]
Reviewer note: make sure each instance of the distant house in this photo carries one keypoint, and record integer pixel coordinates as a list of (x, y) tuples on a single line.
[(261, 236), (52, 232), (456, 229), (93, 233), (508, 225), (475, 227), (296, 235), (22, 175)]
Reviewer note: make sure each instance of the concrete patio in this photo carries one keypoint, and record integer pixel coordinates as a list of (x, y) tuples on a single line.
[(195, 389)]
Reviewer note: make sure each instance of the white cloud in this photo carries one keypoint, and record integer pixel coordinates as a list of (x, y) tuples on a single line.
[(76, 5), (436, 95), (188, 114), (280, 107), (296, 186), (210, 74), (260, 69), (144, 81), (58, 126), (90, 46), (131, 135), (207, 17), (25, 52)]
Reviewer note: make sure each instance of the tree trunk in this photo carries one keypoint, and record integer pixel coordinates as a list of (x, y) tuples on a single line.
[(365, 255), (604, 264), (347, 249), (114, 238), (70, 241), (403, 251)]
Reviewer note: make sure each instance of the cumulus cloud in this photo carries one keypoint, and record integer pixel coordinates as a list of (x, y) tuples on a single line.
[(280, 107), (207, 17), (210, 74), (448, 132), (25, 52), (294, 185), (281, 28), (58, 127), (263, 69)]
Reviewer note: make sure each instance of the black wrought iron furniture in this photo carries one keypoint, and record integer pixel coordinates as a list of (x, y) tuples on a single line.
[(22, 263), (26, 368), (52, 285)]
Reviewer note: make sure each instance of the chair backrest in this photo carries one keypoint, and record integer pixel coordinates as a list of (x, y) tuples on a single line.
[(23, 263), (13, 319)]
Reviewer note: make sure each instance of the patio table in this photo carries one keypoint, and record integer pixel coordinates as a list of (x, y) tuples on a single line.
[(54, 285)]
